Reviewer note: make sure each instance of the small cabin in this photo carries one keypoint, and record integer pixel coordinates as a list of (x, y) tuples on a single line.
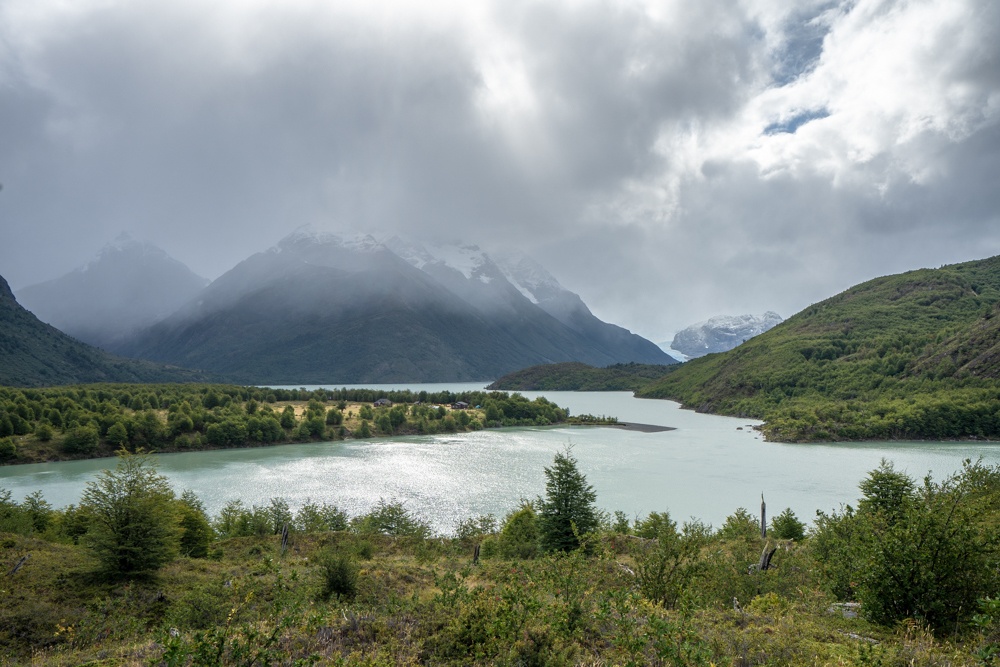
[(459, 405), (382, 403)]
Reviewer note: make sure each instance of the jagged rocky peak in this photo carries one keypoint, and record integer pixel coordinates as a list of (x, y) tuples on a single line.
[(721, 333)]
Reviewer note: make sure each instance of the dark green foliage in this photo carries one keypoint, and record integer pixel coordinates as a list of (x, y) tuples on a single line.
[(911, 356), (117, 435), (518, 537), (109, 411), (237, 520), (195, 530), (339, 575), (886, 494), (655, 522), (667, 564), (81, 440), (390, 518), (133, 525), (741, 525), (567, 513), (13, 517), (39, 511), (576, 376), (927, 552), (313, 518), (43, 431), (786, 526), (933, 559), (8, 450)]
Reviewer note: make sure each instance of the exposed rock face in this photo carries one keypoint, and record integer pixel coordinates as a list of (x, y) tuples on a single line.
[(722, 333)]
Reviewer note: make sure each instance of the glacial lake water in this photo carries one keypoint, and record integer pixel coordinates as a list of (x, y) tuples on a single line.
[(705, 468)]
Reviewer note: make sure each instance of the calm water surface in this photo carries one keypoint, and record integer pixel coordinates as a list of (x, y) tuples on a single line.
[(706, 468)]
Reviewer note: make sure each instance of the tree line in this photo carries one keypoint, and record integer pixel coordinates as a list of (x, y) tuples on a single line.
[(96, 420)]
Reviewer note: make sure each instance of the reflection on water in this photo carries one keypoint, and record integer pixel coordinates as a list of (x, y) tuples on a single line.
[(706, 468)]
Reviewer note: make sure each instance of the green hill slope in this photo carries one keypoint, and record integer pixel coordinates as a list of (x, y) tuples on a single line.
[(915, 355), (34, 354)]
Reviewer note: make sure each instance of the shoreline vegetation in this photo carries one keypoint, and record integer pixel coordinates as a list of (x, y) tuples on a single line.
[(94, 421), (554, 582)]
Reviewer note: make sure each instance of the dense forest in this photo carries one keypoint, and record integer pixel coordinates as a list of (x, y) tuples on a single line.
[(576, 376), (910, 356), (134, 574), (87, 421)]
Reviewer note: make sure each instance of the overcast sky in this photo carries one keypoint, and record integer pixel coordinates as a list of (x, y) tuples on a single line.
[(669, 161)]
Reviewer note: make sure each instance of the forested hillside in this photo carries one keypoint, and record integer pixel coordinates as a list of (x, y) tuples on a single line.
[(909, 356)]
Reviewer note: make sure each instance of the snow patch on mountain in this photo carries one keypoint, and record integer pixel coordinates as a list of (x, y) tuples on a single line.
[(308, 235)]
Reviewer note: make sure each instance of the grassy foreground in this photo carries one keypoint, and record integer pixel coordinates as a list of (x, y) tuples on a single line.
[(263, 585), (421, 601)]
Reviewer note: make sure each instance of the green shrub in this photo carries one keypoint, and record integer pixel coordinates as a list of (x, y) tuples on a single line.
[(134, 523), (81, 440), (390, 518), (43, 431), (8, 450), (667, 565), (786, 526), (339, 576), (519, 536)]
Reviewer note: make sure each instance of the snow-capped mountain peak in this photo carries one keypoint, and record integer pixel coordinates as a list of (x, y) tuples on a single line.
[(308, 235), (721, 333)]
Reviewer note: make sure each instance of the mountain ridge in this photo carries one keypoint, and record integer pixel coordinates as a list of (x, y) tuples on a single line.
[(34, 354), (321, 307), (127, 287)]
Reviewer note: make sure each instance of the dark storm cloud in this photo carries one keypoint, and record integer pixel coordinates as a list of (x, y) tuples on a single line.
[(668, 161)]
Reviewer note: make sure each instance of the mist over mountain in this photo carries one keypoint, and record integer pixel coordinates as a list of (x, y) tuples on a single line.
[(721, 333), (129, 286), (320, 307), (34, 354)]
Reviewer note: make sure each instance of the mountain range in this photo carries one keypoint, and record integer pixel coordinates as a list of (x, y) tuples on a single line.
[(319, 307)]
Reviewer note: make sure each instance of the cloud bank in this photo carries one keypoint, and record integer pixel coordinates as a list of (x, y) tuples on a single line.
[(669, 160)]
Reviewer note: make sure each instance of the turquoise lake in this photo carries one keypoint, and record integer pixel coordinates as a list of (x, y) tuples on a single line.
[(705, 468)]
